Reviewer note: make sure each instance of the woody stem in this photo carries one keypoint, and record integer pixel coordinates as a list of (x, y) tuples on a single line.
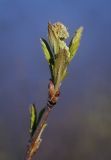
[(36, 138), (35, 142)]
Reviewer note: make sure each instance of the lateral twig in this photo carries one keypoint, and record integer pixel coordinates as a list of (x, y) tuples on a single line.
[(36, 139)]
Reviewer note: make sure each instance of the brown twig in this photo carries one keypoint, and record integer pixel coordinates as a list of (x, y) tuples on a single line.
[(36, 138)]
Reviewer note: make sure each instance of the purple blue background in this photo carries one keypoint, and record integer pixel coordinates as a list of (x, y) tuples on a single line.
[(79, 128)]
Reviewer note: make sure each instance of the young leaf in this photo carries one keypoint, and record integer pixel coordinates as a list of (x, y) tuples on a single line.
[(63, 45), (47, 51), (33, 119), (60, 67), (53, 39), (65, 73), (75, 42)]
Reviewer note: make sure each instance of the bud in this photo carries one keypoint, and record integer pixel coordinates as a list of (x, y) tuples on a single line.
[(61, 31), (57, 34), (53, 94)]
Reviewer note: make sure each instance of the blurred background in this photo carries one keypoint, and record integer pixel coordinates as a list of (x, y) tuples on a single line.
[(79, 128)]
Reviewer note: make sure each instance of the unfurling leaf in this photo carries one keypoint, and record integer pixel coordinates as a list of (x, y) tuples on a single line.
[(47, 51), (33, 119), (65, 73), (75, 42), (53, 39), (60, 67)]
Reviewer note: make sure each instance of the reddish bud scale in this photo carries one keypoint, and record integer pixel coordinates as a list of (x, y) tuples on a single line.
[(53, 97)]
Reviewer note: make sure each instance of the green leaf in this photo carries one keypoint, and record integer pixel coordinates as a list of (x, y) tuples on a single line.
[(33, 119), (75, 42), (47, 51), (65, 73), (53, 39), (63, 45), (60, 67), (48, 55)]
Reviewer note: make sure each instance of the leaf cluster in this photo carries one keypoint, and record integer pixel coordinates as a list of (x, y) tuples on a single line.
[(58, 54)]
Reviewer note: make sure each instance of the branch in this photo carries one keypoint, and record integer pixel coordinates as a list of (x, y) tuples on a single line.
[(58, 56), (36, 139)]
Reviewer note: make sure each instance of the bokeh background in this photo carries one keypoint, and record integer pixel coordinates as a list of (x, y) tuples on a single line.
[(79, 128)]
